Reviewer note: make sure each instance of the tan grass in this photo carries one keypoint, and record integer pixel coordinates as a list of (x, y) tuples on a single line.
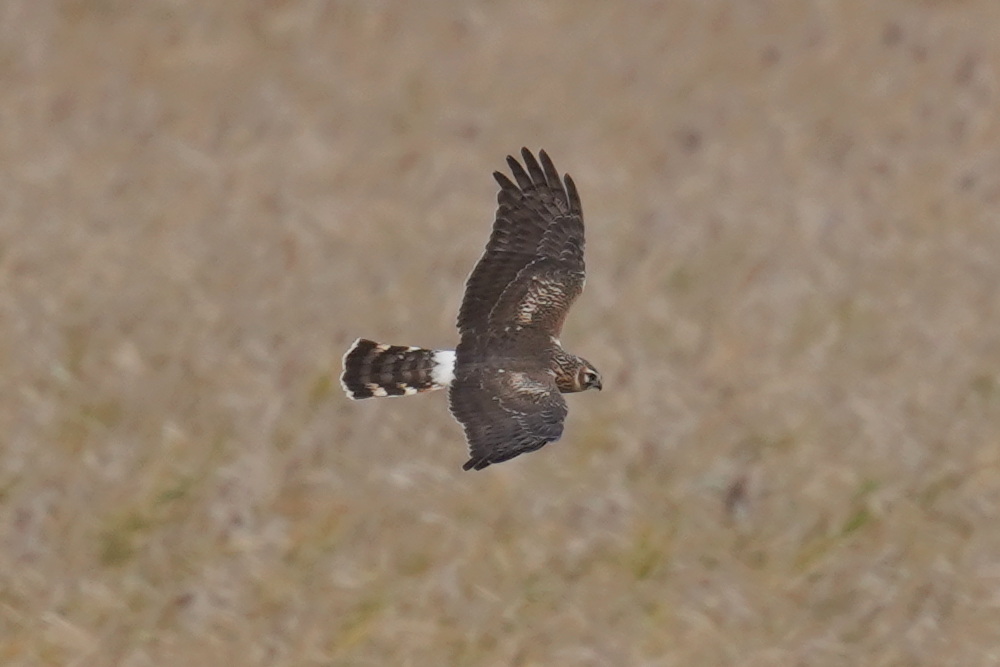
[(793, 222)]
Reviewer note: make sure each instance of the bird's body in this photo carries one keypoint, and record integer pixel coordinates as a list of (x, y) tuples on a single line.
[(507, 375)]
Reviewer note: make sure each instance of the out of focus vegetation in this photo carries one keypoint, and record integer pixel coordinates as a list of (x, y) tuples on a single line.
[(793, 232)]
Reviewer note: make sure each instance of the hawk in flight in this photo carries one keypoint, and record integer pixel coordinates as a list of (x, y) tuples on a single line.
[(507, 376)]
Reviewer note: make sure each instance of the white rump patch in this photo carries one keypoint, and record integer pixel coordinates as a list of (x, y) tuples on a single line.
[(444, 367)]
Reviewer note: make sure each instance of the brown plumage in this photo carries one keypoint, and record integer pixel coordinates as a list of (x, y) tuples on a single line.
[(509, 371), (373, 369)]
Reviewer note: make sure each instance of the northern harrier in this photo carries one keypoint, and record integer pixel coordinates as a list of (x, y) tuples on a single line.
[(509, 372)]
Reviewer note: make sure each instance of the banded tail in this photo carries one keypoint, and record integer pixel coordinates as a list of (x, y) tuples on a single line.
[(374, 369)]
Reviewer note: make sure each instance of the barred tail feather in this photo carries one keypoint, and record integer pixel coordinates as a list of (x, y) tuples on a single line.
[(375, 369)]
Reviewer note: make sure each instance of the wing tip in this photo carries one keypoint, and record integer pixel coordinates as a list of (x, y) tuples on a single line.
[(476, 463), (537, 174), (573, 196), (540, 172), (504, 181), (520, 175)]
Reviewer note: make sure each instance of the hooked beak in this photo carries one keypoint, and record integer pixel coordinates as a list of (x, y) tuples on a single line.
[(598, 385)]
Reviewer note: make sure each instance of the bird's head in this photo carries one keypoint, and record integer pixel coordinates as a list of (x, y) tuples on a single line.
[(587, 377)]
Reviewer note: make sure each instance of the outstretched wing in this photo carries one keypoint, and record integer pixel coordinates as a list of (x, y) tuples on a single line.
[(539, 222), (506, 414)]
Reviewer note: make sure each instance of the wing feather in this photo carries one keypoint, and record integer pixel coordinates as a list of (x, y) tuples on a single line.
[(523, 180), (538, 299), (538, 216), (506, 414)]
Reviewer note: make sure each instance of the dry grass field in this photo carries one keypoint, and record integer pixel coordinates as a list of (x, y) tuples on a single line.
[(793, 214)]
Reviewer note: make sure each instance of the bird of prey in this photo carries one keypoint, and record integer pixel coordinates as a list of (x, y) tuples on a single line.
[(508, 373)]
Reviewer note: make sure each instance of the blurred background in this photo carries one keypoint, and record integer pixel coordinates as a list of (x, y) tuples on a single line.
[(793, 265)]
